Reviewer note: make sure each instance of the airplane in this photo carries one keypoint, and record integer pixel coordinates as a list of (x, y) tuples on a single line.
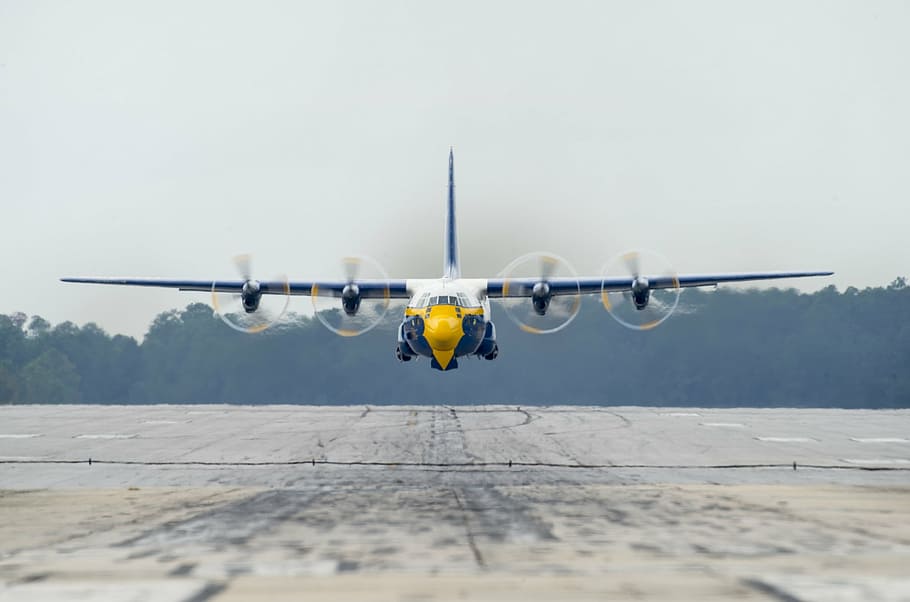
[(450, 317)]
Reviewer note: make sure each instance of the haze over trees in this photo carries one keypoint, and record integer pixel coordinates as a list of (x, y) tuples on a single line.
[(726, 348)]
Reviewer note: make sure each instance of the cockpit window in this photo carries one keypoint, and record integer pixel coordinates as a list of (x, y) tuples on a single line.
[(466, 300), (458, 300), (422, 301)]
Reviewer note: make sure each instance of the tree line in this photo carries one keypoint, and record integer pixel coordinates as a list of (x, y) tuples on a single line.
[(727, 348)]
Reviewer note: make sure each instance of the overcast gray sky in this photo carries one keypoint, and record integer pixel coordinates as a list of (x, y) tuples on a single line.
[(162, 138)]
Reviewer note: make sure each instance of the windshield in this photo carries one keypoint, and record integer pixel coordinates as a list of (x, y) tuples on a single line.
[(458, 299), (444, 300)]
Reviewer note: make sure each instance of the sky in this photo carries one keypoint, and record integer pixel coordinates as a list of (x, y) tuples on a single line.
[(161, 139)]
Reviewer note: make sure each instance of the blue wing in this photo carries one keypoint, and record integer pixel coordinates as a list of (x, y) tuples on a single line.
[(522, 287), (369, 289)]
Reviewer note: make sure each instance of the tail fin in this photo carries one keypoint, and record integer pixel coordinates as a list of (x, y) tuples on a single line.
[(451, 268)]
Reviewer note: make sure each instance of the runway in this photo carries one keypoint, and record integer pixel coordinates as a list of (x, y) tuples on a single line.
[(442, 503)]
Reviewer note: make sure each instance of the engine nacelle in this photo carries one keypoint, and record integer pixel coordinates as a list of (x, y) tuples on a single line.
[(350, 299), (540, 298), (488, 348), (641, 292), (250, 296)]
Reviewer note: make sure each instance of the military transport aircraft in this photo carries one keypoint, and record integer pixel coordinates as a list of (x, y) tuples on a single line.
[(449, 317)]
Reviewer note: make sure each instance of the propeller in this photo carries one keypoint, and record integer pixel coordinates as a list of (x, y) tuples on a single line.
[(530, 276), (640, 307), (251, 310), (243, 265), (348, 312)]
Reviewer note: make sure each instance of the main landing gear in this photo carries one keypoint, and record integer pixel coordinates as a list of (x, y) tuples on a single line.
[(492, 355)]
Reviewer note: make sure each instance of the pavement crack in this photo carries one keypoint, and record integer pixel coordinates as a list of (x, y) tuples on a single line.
[(770, 590), (528, 417), (207, 593), (472, 542), (626, 423), (477, 464)]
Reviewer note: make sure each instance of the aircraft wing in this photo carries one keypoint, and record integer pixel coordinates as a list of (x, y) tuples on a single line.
[(522, 287), (369, 289)]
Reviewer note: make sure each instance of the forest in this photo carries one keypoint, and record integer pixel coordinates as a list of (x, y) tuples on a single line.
[(753, 348)]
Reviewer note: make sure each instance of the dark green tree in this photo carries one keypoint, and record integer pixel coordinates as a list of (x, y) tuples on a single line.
[(50, 378), (9, 383)]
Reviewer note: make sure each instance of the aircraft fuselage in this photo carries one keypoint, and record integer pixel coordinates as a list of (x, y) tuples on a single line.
[(446, 319)]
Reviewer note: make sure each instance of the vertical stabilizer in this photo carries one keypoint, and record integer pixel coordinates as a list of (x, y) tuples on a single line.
[(451, 268)]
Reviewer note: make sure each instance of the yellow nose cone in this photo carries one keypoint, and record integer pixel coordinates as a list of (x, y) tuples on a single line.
[(443, 331)]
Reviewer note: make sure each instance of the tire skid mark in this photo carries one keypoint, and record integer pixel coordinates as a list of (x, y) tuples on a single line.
[(233, 523)]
